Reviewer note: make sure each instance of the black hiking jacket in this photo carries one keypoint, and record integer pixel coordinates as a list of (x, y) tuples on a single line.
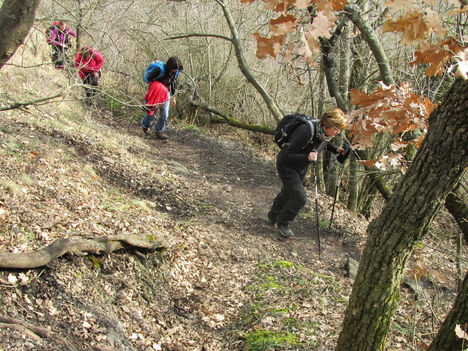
[(295, 155)]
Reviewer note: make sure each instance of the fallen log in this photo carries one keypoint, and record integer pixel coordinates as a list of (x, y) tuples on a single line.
[(77, 245)]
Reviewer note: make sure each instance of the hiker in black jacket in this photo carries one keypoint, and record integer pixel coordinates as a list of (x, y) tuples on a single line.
[(294, 160)]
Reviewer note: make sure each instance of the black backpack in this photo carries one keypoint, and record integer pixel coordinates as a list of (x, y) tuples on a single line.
[(288, 124)]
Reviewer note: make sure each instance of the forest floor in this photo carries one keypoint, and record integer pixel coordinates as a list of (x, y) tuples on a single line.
[(225, 281)]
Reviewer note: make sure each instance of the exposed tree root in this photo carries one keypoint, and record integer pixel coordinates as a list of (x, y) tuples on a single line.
[(77, 245), (33, 331)]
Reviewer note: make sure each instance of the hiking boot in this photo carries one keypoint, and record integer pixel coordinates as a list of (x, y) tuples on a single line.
[(160, 135), (145, 130), (284, 230), (271, 218)]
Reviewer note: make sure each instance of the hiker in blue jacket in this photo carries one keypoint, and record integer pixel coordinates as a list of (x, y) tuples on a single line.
[(167, 75), (294, 160)]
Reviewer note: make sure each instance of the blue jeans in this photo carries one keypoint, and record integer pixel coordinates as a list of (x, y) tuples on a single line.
[(161, 123)]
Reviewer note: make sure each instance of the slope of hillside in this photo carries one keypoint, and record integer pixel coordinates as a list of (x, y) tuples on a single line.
[(226, 280)]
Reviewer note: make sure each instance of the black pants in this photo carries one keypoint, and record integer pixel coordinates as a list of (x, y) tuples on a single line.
[(59, 56), (92, 80), (292, 197)]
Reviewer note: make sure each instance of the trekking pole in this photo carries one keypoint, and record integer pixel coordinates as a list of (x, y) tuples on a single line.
[(317, 208), (337, 188)]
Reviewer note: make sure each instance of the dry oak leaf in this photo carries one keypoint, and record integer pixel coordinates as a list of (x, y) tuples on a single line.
[(269, 46), (339, 5), (324, 5), (303, 4), (436, 55), (283, 25), (460, 332), (413, 27), (309, 47), (277, 5), (462, 65), (312, 32)]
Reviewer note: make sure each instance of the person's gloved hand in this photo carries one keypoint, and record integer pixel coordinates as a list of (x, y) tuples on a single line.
[(342, 157)]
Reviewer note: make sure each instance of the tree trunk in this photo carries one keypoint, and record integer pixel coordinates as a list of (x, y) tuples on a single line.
[(353, 183), (458, 208), (446, 339), (403, 222), (16, 18)]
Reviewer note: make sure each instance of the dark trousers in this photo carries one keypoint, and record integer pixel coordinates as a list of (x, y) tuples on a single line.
[(92, 80), (59, 56), (292, 197)]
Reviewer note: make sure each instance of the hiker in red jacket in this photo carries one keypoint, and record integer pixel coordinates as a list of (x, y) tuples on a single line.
[(89, 62), (156, 98), (58, 37)]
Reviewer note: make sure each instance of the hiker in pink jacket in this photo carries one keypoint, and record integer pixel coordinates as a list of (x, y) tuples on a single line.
[(89, 62), (58, 37)]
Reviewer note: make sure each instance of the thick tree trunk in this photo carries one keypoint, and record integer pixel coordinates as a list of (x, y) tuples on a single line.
[(458, 208), (353, 183), (405, 219), (16, 18), (446, 339)]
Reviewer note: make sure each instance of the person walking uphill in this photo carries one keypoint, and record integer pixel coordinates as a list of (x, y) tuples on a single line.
[(294, 160), (166, 75), (89, 62), (58, 37)]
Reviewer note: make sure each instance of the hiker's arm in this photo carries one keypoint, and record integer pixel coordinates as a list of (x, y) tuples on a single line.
[(99, 61), (333, 148), (72, 33)]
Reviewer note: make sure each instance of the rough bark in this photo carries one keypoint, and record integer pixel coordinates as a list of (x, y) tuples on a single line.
[(353, 183), (458, 208), (75, 245), (446, 339), (404, 221), (16, 18)]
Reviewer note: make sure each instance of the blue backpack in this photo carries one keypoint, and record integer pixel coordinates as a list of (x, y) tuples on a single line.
[(151, 67)]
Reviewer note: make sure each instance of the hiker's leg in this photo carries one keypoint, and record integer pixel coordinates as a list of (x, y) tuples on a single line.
[(282, 198), (278, 204), (296, 198), (87, 82), (93, 82), (63, 58), (56, 58), (147, 121), (163, 115)]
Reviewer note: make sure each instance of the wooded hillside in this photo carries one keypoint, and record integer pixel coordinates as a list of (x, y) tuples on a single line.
[(111, 239)]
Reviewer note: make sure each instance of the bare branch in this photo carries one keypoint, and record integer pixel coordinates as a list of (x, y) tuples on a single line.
[(200, 35)]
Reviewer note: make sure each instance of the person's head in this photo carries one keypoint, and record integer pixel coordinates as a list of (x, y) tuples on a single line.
[(61, 25), (86, 52), (174, 64), (332, 122)]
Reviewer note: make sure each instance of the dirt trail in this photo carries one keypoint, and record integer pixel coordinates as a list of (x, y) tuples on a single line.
[(236, 187), (210, 201)]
